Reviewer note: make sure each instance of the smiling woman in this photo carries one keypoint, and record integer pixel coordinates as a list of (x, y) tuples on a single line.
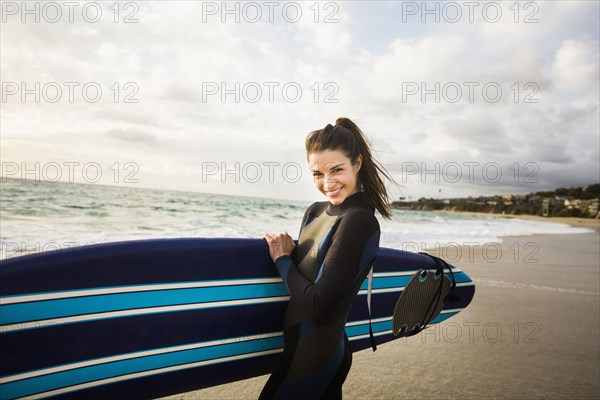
[(337, 245)]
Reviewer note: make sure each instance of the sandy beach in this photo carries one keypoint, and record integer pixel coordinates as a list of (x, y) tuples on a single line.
[(573, 221), (530, 332)]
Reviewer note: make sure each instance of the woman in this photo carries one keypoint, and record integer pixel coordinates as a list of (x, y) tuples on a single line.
[(337, 245)]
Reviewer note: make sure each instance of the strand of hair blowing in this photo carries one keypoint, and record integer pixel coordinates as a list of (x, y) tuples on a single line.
[(369, 176)]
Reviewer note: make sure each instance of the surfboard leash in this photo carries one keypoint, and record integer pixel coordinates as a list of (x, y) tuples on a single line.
[(369, 288), (452, 296)]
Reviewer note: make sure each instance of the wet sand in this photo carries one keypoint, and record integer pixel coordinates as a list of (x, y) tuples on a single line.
[(530, 332)]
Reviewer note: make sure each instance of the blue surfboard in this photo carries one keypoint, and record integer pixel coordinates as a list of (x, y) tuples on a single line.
[(150, 318)]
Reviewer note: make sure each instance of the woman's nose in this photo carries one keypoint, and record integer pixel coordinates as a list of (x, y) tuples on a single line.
[(329, 182)]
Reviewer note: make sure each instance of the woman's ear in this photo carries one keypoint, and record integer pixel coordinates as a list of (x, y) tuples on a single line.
[(358, 163)]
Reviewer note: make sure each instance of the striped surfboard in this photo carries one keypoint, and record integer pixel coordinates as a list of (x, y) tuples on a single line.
[(150, 318)]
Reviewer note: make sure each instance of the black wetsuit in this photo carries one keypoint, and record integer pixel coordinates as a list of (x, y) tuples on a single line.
[(336, 247)]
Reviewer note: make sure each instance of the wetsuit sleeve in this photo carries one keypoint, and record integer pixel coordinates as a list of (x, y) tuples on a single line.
[(354, 244)]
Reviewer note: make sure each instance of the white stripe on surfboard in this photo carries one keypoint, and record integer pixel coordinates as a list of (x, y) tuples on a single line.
[(366, 321), (166, 286), (407, 273), (384, 290), (150, 372), (137, 311), (132, 289), (400, 288)]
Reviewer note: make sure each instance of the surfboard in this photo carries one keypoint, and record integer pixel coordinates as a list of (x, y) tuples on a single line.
[(150, 318)]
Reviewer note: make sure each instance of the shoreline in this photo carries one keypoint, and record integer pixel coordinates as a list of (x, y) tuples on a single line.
[(592, 223)]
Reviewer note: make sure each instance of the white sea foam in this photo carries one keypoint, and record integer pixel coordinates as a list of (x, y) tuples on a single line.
[(431, 229)]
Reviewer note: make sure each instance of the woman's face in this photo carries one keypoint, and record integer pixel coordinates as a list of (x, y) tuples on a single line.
[(334, 175)]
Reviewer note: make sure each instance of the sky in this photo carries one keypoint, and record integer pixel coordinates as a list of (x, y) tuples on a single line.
[(457, 98)]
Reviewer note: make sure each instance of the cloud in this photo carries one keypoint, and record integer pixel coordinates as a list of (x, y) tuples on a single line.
[(330, 42), (131, 135), (576, 67), (130, 117), (178, 92), (481, 132)]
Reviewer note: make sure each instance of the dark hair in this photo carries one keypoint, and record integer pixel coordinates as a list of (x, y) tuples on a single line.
[(346, 137)]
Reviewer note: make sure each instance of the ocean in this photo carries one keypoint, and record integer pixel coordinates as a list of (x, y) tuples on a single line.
[(38, 216)]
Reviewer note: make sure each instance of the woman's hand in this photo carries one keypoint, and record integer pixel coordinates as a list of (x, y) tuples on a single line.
[(280, 244)]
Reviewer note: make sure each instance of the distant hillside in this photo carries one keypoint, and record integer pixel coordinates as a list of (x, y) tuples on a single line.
[(572, 202)]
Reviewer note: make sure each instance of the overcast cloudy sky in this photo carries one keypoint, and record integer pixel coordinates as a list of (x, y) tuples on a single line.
[(458, 98)]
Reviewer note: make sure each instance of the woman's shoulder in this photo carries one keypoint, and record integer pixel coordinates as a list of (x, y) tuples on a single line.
[(360, 216), (314, 210), (317, 207)]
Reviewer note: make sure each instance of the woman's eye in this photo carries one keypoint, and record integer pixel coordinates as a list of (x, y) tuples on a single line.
[(332, 171)]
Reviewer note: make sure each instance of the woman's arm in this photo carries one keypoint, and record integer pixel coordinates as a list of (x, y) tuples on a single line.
[(354, 246)]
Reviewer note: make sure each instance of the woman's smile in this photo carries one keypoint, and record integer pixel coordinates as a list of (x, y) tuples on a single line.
[(334, 193)]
